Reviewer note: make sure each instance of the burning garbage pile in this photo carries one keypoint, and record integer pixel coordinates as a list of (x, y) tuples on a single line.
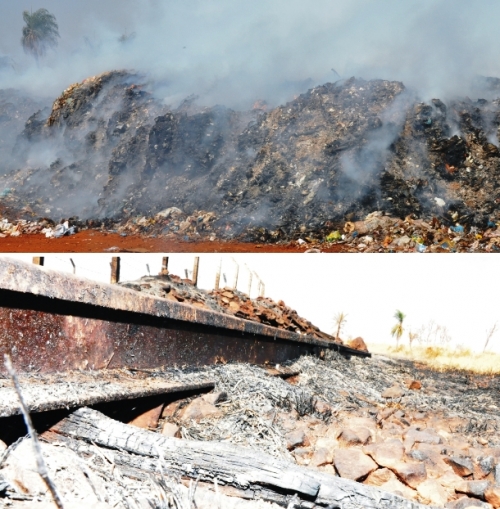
[(333, 155), (381, 432), (171, 222), (262, 309)]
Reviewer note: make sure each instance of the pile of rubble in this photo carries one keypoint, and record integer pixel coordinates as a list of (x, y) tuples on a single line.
[(389, 426), (228, 300), (334, 154), (266, 311)]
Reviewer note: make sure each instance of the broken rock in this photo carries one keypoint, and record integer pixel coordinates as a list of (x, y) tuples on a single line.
[(411, 474), (398, 488), (198, 409), (355, 436), (393, 392), (492, 495), (380, 477), (386, 454), (473, 488), (461, 466), (357, 344), (432, 492), (149, 419), (466, 502), (353, 464), (170, 429), (295, 439)]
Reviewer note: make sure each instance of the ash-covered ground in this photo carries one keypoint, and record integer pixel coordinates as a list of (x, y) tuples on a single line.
[(107, 148), (428, 436)]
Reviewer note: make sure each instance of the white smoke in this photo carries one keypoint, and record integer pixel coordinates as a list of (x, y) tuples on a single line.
[(234, 51)]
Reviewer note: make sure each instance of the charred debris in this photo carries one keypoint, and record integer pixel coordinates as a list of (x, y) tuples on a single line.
[(120, 428), (337, 433), (109, 152)]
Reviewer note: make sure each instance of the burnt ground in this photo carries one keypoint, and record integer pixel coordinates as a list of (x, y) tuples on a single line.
[(434, 438), (108, 149)]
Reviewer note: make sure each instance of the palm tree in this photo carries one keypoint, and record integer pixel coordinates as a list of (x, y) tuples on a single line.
[(40, 32), (398, 329), (340, 319)]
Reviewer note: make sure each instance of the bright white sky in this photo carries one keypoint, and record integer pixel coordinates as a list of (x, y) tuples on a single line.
[(458, 292)]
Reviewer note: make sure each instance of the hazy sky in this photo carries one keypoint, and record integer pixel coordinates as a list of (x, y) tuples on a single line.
[(234, 51), (458, 292)]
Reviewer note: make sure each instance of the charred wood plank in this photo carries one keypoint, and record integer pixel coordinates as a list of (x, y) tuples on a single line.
[(263, 475)]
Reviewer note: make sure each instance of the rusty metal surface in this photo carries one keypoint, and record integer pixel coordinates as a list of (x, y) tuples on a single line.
[(56, 322), (27, 278)]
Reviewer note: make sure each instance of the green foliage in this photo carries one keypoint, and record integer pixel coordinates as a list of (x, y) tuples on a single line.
[(39, 33), (398, 330)]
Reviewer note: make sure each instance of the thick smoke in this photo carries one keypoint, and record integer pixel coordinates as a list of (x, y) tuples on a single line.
[(234, 51)]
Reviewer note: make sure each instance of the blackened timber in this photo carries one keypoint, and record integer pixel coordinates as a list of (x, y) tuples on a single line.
[(57, 322), (230, 464)]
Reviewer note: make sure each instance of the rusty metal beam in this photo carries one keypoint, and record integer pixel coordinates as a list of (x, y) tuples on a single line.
[(57, 322)]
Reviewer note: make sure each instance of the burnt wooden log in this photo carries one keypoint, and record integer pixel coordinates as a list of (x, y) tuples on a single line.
[(253, 472)]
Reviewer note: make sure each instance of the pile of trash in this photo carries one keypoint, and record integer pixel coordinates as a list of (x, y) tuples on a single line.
[(381, 233), (15, 109), (230, 301), (171, 222), (337, 153), (45, 227)]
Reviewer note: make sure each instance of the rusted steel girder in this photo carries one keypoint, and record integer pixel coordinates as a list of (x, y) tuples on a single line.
[(53, 322)]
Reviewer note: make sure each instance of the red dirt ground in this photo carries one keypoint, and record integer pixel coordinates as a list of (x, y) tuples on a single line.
[(95, 241)]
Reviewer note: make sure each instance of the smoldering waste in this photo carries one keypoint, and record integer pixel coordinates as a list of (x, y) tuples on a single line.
[(107, 149)]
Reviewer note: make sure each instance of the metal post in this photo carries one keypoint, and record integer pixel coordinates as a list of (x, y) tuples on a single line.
[(164, 266), (115, 269), (250, 282), (74, 266), (217, 276), (39, 260), (262, 289), (236, 277), (195, 270), (259, 282)]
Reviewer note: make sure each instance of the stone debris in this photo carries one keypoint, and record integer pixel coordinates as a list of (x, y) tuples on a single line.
[(438, 445), (226, 300)]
